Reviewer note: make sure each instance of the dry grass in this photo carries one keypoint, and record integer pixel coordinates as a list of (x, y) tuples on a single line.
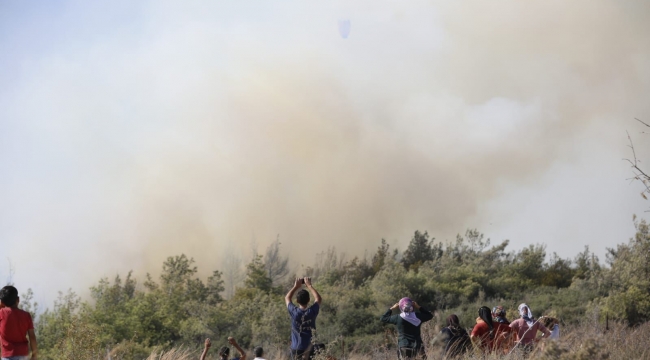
[(583, 342), (174, 354)]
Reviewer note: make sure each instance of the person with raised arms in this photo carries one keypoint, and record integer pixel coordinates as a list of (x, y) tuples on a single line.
[(408, 323), (303, 317), (224, 352)]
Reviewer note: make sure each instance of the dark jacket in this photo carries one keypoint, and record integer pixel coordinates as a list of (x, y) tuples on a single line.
[(457, 341), (409, 334)]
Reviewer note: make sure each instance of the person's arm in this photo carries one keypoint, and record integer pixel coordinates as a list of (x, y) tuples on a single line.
[(315, 294), (387, 318), (515, 328), (296, 285), (206, 347), (476, 340), (477, 336), (424, 315), (233, 342), (32, 343), (544, 330)]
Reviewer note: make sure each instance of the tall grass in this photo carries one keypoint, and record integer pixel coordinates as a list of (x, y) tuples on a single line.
[(180, 353), (587, 341)]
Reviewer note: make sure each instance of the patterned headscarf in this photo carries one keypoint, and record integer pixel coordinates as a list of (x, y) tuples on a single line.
[(406, 307), (499, 314), (526, 314)]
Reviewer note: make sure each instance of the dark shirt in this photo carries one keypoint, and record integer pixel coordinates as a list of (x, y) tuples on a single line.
[(302, 322), (456, 341), (409, 334)]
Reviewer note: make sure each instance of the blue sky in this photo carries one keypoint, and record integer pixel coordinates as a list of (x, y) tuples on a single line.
[(131, 131)]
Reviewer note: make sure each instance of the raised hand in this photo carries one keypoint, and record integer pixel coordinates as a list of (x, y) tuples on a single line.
[(307, 281), (208, 343)]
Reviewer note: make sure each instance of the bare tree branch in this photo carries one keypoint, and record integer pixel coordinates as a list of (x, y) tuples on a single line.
[(639, 174), (648, 125), (12, 272), (635, 163)]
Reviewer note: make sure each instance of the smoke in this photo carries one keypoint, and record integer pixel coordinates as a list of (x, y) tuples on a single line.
[(197, 128)]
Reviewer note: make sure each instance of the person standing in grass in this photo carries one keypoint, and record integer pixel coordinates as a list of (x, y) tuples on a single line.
[(455, 337), (259, 353), (553, 325), (526, 328), (224, 352), (408, 323), (303, 317), (483, 332), (15, 327), (499, 315)]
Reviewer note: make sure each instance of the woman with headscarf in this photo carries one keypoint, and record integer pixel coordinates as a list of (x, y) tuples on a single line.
[(455, 337), (408, 323), (488, 335), (526, 328), (499, 315), (483, 332)]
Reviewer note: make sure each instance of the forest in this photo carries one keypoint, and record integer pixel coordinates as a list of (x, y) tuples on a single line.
[(128, 318)]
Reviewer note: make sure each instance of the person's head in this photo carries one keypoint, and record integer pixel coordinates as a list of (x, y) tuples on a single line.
[(486, 315), (549, 321), (302, 297), (258, 351), (452, 321), (524, 311), (406, 305), (9, 296), (224, 352), (498, 311)]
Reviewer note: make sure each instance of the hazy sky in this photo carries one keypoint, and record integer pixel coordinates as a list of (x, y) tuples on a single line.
[(131, 131)]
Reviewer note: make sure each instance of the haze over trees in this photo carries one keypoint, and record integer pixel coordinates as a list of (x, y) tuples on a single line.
[(133, 316)]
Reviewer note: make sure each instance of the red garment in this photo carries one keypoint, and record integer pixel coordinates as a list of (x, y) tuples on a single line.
[(497, 341), (14, 324), (501, 332), (482, 331), (524, 335)]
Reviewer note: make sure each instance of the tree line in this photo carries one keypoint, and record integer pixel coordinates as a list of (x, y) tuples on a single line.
[(128, 317)]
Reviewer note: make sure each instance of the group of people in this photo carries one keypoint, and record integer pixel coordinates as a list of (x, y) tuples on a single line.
[(492, 333), (303, 323), (16, 327), (224, 351)]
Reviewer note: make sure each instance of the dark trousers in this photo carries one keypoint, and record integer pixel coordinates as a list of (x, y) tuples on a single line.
[(411, 353)]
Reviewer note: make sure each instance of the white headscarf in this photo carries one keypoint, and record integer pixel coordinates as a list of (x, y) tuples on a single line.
[(407, 313), (526, 315)]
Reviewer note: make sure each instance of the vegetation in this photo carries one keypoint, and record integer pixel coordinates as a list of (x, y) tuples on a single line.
[(131, 319)]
